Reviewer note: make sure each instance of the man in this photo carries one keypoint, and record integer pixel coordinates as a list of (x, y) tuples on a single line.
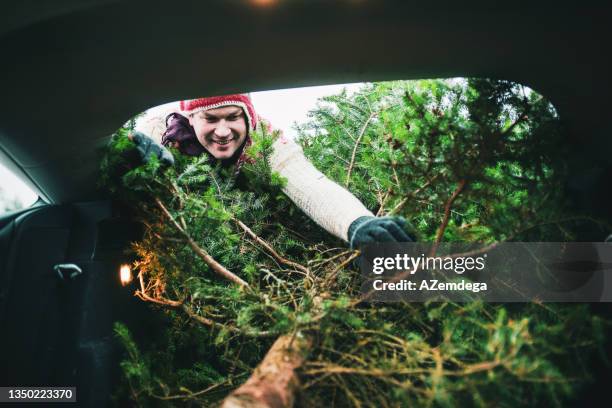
[(220, 126)]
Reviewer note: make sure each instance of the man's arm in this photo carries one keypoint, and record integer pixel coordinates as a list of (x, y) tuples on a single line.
[(331, 206)]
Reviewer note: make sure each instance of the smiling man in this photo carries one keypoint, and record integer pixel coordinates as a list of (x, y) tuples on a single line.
[(220, 127), (221, 131)]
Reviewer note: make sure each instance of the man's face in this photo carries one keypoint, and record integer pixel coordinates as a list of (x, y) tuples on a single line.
[(221, 131)]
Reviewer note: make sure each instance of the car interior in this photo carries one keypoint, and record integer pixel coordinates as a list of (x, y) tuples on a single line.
[(73, 72)]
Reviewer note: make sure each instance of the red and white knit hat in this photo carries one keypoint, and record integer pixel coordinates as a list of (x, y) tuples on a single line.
[(193, 106)]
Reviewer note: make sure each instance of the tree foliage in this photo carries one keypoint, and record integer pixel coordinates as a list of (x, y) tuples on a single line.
[(463, 160)]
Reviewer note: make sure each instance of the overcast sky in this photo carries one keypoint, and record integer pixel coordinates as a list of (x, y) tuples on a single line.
[(11, 186), (281, 108)]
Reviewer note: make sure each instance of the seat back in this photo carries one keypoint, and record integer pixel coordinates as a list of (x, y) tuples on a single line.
[(30, 293)]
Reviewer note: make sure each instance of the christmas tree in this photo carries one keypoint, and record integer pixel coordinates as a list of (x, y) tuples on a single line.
[(259, 305)]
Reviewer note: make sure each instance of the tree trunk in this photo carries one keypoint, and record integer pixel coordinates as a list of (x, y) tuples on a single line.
[(274, 382)]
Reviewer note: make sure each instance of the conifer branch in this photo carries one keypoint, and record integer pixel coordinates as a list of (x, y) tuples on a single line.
[(447, 212), (205, 256), (191, 395), (383, 201), (160, 301), (347, 131), (324, 261), (377, 372), (270, 249), (515, 233), (332, 275), (175, 304), (361, 133), (412, 194), (142, 294), (439, 234), (233, 329), (518, 120)]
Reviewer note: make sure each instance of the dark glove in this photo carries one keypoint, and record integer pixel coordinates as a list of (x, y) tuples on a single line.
[(367, 229), (147, 147)]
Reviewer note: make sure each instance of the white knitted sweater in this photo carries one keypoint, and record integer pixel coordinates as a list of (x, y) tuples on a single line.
[(331, 206)]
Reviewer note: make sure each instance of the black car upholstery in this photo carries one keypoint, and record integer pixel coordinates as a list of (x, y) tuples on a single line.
[(58, 331)]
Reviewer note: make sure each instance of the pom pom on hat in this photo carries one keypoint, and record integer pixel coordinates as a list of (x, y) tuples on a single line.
[(193, 106)]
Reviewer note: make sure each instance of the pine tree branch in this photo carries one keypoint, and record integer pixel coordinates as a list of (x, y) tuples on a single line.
[(205, 256), (332, 275), (447, 212), (518, 120), (191, 395), (271, 250), (439, 234), (160, 301), (373, 372), (347, 131), (232, 329), (383, 201), (142, 294), (516, 232), (361, 133), (436, 370), (413, 193), (324, 261), (521, 118), (175, 304)]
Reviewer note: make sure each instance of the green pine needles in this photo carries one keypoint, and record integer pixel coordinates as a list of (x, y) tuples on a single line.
[(231, 264)]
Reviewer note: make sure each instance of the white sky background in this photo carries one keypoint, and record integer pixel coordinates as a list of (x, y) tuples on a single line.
[(285, 107), (13, 188), (281, 108)]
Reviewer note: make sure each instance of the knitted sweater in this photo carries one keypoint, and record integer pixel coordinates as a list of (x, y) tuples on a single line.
[(331, 206)]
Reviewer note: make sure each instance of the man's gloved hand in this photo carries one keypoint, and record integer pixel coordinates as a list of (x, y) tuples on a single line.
[(368, 229), (147, 147)]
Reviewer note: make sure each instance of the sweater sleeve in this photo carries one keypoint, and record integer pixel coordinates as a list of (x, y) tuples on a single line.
[(328, 204)]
